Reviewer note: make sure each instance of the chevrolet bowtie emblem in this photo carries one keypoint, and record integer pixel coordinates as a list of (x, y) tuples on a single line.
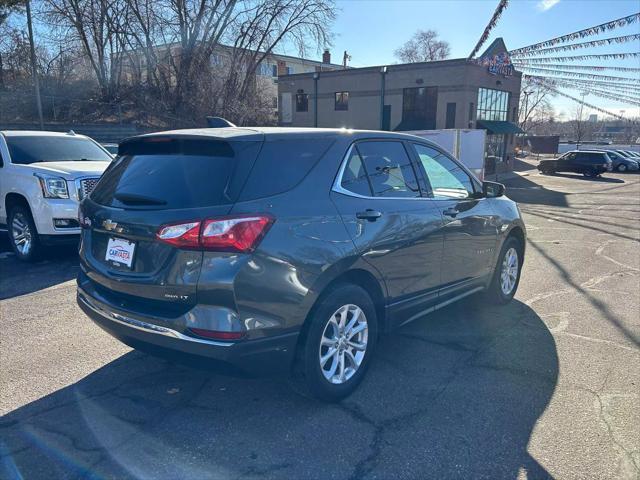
[(110, 225)]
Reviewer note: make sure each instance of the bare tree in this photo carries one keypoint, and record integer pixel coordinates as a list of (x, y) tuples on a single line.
[(262, 27), (95, 25), (158, 58), (424, 46), (581, 128), (535, 104)]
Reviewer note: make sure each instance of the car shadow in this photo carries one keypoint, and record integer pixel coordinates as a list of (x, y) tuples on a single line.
[(586, 179), (58, 265), (454, 395), (522, 190)]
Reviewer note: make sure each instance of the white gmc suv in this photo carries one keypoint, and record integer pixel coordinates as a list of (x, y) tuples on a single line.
[(43, 177)]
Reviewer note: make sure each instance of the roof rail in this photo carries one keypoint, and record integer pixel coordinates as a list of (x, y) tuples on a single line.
[(218, 122)]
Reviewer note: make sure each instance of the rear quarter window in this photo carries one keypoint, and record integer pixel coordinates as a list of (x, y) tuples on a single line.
[(281, 165)]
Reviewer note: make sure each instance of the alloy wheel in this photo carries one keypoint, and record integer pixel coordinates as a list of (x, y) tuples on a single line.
[(509, 271), (21, 234), (622, 167), (343, 344)]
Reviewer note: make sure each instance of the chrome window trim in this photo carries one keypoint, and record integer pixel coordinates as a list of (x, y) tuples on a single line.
[(337, 183)]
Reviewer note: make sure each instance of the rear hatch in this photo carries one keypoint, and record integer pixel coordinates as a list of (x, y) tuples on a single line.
[(159, 181)]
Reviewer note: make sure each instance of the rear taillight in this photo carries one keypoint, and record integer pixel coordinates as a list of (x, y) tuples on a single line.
[(234, 234), (183, 235), (231, 234)]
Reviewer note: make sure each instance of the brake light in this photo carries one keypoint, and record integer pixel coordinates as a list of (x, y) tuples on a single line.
[(232, 234)]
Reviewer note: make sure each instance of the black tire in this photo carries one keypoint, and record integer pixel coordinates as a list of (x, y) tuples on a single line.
[(308, 375), (22, 215), (495, 293), (590, 174)]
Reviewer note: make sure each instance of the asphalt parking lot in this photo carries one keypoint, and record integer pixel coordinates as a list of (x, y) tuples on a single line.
[(548, 386)]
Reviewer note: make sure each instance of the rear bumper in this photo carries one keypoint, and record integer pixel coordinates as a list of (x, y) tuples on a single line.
[(262, 356)]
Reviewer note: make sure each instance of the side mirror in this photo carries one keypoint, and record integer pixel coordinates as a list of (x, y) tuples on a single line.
[(492, 189)]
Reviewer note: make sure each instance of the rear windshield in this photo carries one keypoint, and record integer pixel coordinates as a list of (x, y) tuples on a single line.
[(176, 174), (282, 165), (31, 149)]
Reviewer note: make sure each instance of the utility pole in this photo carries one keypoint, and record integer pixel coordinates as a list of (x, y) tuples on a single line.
[(34, 67), (526, 107)]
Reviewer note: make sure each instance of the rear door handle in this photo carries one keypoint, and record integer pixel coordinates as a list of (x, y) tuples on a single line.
[(451, 212), (369, 214)]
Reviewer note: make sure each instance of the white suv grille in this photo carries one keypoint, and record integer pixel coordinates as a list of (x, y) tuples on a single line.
[(85, 186)]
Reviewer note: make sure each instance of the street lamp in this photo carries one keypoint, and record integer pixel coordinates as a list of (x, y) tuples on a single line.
[(526, 106), (316, 76), (383, 73)]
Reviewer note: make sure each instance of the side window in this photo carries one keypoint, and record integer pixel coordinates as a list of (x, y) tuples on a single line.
[(389, 169), (447, 178), (569, 156), (1, 160), (589, 157), (354, 177), (281, 165)]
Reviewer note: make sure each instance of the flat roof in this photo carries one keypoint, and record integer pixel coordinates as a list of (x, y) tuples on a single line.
[(453, 62)]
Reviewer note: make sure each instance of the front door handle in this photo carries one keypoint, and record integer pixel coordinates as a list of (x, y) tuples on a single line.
[(451, 212), (369, 214)]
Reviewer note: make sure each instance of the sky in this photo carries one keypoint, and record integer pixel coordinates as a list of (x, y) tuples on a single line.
[(370, 31)]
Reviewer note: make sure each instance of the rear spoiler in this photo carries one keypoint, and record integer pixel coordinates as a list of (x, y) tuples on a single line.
[(175, 144)]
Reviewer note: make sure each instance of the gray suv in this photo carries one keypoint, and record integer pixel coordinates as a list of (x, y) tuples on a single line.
[(278, 249)]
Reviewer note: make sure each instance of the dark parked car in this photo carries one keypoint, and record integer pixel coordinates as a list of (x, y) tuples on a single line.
[(621, 163), (590, 163), (632, 154), (288, 249)]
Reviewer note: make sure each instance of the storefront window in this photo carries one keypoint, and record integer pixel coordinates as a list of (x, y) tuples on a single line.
[(492, 105)]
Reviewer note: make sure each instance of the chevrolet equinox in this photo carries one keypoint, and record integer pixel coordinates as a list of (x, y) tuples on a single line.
[(278, 249)]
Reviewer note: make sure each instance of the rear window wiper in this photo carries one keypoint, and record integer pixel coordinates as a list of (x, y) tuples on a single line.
[(135, 199)]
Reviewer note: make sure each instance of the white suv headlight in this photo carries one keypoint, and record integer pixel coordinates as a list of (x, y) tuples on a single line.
[(53, 187)]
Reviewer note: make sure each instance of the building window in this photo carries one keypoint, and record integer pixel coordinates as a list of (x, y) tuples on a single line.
[(302, 102), (274, 102), (514, 117), (342, 101), (419, 107), (493, 105), (290, 71), (450, 121), (266, 69), (274, 70), (216, 60), (471, 110)]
